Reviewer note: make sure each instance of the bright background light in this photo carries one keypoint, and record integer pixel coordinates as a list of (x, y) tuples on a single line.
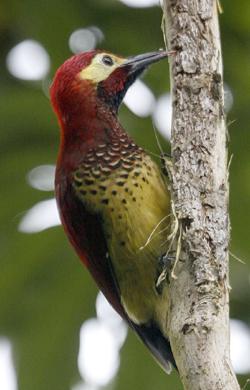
[(85, 39), (141, 3), (28, 61), (240, 346), (40, 217), (100, 341), (162, 115), (98, 359), (140, 99), (8, 379), (42, 178), (106, 313), (228, 97)]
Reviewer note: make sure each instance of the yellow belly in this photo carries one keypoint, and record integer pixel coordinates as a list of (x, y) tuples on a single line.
[(134, 206)]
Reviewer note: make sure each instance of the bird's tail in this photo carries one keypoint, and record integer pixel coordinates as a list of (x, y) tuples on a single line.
[(157, 344)]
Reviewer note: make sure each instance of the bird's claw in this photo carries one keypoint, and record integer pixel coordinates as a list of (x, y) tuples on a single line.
[(165, 262), (164, 157)]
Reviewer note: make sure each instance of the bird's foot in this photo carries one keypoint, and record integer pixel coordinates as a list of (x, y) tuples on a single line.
[(166, 264), (164, 160)]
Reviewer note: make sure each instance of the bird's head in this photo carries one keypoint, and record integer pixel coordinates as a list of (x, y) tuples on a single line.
[(92, 83)]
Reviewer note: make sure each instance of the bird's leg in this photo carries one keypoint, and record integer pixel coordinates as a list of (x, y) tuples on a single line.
[(167, 268), (164, 160), (165, 261)]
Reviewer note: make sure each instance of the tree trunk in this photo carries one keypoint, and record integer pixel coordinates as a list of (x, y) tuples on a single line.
[(199, 287)]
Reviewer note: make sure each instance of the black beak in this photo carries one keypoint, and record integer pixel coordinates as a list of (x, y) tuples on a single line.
[(142, 61)]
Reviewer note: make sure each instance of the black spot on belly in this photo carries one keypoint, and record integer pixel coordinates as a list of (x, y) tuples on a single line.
[(114, 192), (89, 182), (105, 201), (128, 169), (93, 192)]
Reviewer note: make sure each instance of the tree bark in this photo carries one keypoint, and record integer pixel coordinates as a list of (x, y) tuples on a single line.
[(198, 324)]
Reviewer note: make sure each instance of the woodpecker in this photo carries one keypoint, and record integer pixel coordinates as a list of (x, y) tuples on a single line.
[(112, 197)]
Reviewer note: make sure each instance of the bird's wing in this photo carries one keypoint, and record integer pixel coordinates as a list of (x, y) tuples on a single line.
[(85, 234), (84, 230)]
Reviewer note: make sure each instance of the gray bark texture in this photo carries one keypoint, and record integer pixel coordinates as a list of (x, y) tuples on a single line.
[(198, 325)]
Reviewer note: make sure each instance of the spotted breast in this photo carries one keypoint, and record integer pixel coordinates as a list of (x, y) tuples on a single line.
[(123, 185)]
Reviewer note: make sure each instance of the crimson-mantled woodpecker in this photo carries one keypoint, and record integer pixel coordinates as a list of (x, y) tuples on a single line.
[(111, 195)]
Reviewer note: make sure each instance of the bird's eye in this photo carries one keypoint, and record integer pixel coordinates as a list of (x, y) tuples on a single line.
[(107, 60)]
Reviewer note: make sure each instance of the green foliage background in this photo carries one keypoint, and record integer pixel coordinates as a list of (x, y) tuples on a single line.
[(45, 292)]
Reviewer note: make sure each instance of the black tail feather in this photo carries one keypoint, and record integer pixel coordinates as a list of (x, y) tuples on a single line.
[(158, 345)]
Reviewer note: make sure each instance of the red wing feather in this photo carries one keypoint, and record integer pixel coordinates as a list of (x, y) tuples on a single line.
[(85, 234)]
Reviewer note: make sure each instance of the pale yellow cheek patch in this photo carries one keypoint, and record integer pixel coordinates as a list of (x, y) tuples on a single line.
[(97, 71)]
